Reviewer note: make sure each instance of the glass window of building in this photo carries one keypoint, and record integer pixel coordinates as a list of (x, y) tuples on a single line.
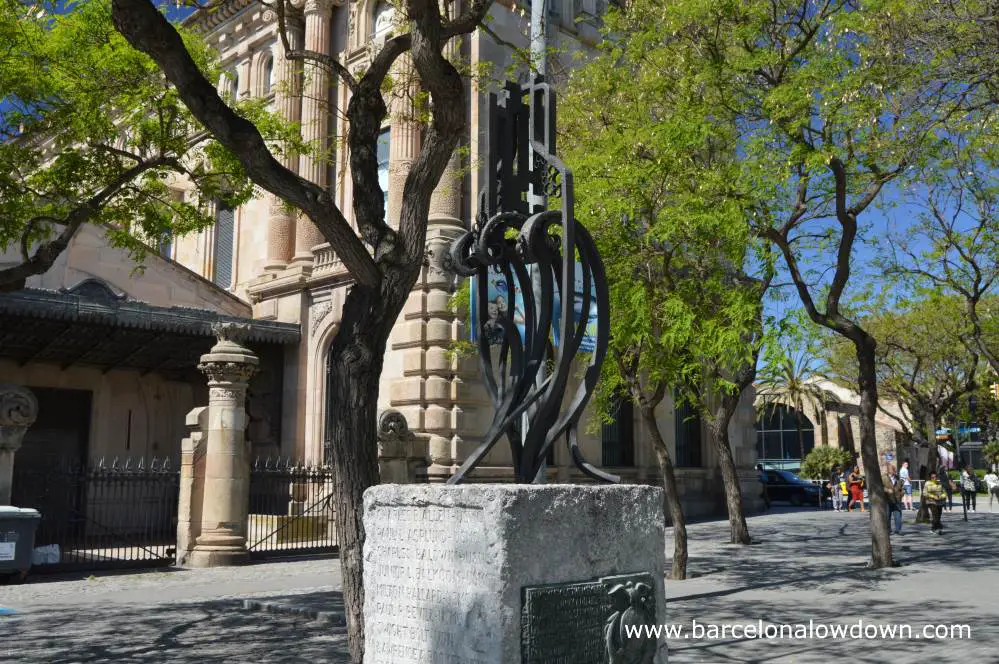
[(617, 438), (225, 228), (383, 162), (777, 434), (688, 436)]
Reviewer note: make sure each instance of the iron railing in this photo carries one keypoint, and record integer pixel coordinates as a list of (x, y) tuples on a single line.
[(291, 509), (121, 513)]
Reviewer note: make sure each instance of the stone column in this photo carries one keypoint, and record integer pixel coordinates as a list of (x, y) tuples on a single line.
[(18, 411), (404, 140), (315, 118), (228, 366), (288, 103)]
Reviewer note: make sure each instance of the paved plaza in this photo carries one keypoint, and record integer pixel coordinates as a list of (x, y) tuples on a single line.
[(808, 566)]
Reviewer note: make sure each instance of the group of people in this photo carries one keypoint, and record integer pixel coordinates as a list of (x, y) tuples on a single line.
[(846, 489), (937, 492)]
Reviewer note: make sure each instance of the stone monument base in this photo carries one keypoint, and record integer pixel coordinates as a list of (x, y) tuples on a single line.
[(512, 574)]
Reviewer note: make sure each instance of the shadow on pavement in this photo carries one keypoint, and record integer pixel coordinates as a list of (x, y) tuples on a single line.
[(206, 631)]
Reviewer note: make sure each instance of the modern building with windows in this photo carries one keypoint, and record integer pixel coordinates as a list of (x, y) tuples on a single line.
[(122, 346)]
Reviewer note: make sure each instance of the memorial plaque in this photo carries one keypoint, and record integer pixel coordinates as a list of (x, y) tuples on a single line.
[(571, 623)]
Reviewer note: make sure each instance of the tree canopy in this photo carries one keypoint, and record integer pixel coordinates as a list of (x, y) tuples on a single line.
[(92, 132)]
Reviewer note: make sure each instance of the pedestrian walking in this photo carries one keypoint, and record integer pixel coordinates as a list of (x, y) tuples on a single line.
[(949, 487), (856, 485), (903, 474), (992, 485), (969, 488), (935, 496), (894, 493), (835, 478)]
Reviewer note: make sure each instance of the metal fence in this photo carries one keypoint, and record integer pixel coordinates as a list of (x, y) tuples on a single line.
[(114, 514), (291, 509)]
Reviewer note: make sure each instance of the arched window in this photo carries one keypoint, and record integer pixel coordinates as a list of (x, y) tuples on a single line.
[(267, 76), (229, 85), (225, 227), (777, 434), (381, 20)]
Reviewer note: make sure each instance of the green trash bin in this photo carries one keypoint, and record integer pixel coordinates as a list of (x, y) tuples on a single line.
[(17, 540)]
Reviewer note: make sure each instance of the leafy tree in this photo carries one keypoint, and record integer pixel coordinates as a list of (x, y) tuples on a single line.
[(951, 248), (828, 114), (686, 277), (821, 460), (991, 452), (925, 363), (90, 132), (384, 262)]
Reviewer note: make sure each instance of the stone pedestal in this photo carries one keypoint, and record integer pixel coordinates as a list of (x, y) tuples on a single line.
[(512, 574), (18, 411), (227, 469)]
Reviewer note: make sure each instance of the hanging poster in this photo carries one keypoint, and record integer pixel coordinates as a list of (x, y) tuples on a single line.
[(499, 300)]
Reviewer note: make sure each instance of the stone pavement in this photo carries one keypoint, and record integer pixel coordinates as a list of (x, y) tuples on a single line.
[(808, 566), (171, 617)]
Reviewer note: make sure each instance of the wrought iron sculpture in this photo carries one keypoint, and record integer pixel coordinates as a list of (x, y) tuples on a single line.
[(537, 251)]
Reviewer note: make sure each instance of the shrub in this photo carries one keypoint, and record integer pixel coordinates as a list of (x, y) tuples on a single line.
[(820, 461)]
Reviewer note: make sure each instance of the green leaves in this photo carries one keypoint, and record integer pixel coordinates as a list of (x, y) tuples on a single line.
[(656, 162), (90, 131)]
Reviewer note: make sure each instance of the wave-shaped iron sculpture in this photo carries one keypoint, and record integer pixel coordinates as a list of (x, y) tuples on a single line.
[(537, 252)]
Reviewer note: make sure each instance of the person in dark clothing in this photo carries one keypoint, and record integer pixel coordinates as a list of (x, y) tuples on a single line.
[(948, 486), (969, 488), (934, 495)]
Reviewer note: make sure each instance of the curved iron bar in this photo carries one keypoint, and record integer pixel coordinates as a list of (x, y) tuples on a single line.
[(534, 250)]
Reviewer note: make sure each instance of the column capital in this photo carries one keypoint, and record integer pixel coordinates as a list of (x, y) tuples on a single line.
[(228, 362), (321, 6)]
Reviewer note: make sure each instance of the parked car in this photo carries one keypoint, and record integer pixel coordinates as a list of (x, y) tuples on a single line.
[(783, 485)]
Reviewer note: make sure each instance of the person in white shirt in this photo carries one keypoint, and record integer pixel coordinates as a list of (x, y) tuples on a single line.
[(992, 482), (903, 474)]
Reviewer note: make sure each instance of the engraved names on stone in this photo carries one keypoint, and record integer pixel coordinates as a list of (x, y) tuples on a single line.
[(427, 605)]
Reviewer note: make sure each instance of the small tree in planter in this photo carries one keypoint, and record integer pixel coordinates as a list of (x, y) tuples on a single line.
[(820, 461)]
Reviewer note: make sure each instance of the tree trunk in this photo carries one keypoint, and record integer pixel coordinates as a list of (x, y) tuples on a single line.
[(358, 352), (671, 496), (932, 459), (718, 426), (881, 555), (824, 423)]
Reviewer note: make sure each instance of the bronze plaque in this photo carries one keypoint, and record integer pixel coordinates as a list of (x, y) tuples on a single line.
[(579, 623)]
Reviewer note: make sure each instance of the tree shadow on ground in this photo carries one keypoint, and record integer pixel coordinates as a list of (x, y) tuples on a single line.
[(205, 631), (813, 567)]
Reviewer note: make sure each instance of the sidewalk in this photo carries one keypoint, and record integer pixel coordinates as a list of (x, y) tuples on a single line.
[(809, 565), (171, 617)]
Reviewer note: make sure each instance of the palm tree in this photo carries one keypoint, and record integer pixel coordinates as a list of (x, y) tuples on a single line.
[(789, 380)]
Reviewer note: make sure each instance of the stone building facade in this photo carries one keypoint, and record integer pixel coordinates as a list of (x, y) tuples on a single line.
[(266, 263)]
